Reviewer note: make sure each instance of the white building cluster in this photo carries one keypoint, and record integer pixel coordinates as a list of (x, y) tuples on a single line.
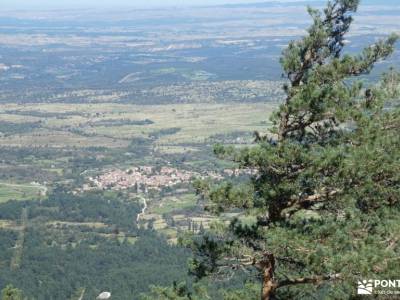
[(143, 177)]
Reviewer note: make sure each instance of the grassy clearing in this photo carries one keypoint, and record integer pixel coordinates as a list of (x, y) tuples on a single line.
[(10, 191), (170, 233), (10, 225), (171, 204), (175, 149), (86, 224)]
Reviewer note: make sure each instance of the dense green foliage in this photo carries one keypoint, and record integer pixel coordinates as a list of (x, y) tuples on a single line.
[(11, 293), (62, 249), (324, 199)]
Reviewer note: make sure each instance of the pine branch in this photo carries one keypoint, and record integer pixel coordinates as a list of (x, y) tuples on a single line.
[(307, 280)]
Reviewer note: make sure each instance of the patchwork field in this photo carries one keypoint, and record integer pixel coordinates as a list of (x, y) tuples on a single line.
[(113, 125)]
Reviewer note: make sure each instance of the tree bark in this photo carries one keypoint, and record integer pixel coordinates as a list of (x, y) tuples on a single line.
[(268, 284)]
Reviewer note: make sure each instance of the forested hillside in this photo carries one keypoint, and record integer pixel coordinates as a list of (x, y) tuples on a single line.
[(69, 243)]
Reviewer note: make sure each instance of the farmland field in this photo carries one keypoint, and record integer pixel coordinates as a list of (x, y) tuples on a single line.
[(11, 191), (114, 125)]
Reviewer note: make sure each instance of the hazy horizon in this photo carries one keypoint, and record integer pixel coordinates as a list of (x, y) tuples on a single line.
[(143, 4), (43, 4)]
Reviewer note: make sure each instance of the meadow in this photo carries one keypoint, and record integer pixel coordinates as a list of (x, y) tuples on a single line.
[(14, 191)]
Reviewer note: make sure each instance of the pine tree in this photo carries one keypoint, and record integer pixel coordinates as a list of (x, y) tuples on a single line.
[(325, 197)]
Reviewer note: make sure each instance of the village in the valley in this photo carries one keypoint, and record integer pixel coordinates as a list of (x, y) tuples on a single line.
[(167, 212), (144, 178)]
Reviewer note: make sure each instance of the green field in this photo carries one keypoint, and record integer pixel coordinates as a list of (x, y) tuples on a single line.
[(10, 191), (176, 203)]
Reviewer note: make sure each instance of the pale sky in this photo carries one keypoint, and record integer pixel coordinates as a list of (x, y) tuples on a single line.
[(26, 4), (49, 4)]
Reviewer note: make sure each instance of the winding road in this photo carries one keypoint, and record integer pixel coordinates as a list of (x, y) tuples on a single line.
[(143, 209), (82, 294)]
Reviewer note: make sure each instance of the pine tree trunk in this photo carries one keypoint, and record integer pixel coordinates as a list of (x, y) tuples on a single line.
[(268, 284)]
